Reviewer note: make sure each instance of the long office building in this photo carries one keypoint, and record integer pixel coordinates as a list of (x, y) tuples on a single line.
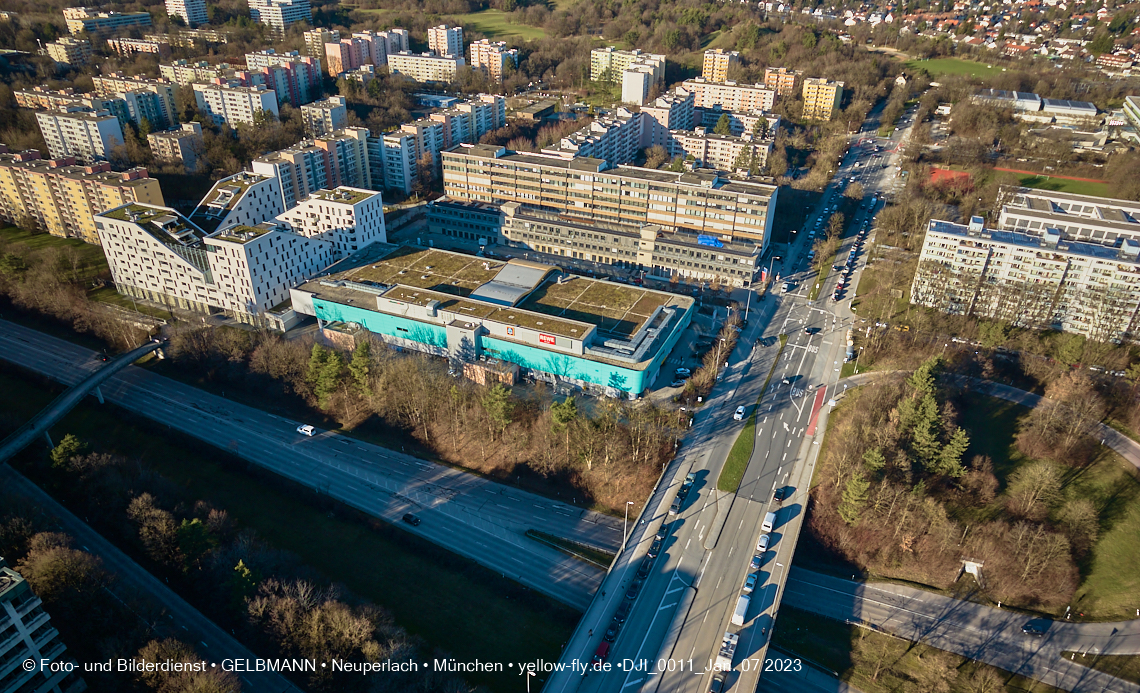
[(705, 203), (1040, 279), (61, 198), (234, 105), (730, 96), (88, 136), (64, 100), (425, 67), (28, 636), (156, 254), (69, 51), (500, 321), (84, 20)]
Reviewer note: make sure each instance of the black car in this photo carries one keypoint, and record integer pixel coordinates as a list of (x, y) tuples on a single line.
[(634, 590), (412, 520), (654, 549), (612, 631), (662, 530), (1035, 628), (643, 571), (783, 493), (622, 612)]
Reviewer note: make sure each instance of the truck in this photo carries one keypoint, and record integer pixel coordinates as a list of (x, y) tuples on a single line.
[(741, 610), (850, 353), (727, 648)]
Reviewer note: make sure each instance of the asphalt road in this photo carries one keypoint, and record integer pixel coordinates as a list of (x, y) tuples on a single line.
[(972, 630), (212, 643), (480, 519)]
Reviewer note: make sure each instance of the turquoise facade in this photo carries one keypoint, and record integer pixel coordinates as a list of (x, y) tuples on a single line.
[(569, 366)]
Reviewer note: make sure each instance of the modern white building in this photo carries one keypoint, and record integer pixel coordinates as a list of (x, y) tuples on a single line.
[(280, 14), (1081, 217), (425, 67), (234, 105), (325, 117), (446, 40), (157, 254), (607, 64), (636, 83), (184, 145), (730, 96), (193, 12), (1038, 280), (243, 199), (348, 218), (89, 136)]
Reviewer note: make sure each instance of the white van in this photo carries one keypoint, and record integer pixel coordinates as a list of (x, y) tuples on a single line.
[(769, 521)]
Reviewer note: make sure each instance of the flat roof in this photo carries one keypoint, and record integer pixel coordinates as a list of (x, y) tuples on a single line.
[(241, 233), (427, 268), (1066, 245), (615, 308), (344, 195)]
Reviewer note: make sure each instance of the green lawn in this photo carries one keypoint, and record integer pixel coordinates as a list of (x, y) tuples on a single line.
[(854, 653), (107, 294), (1076, 187), (953, 66), (91, 262), (453, 604)]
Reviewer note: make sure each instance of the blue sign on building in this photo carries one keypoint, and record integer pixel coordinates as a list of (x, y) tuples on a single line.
[(711, 241)]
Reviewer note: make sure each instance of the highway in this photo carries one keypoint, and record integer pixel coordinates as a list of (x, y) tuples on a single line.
[(972, 630), (480, 519), (131, 580)]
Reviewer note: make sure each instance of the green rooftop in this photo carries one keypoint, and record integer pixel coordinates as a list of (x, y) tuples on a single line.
[(343, 195), (144, 213), (424, 268), (241, 233)]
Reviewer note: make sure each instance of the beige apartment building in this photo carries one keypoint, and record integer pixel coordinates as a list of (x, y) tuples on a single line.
[(821, 98), (717, 63), (781, 79)]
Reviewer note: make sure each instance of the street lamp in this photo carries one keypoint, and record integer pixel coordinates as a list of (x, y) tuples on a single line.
[(625, 524)]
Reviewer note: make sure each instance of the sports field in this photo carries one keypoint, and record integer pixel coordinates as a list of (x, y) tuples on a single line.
[(1076, 187), (953, 66)]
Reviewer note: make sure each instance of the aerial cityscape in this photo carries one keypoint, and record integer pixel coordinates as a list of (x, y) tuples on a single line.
[(574, 346)]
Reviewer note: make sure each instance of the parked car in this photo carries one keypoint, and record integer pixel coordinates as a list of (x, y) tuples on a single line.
[(683, 372), (411, 519), (654, 549), (755, 564), (677, 383), (762, 545), (602, 653), (612, 631), (750, 583), (306, 430), (739, 415)]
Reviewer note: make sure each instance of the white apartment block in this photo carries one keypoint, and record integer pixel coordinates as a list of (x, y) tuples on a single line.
[(672, 111), (157, 254), (243, 199), (89, 136), (325, 117), (636, 83), (393, 157), (81, 20), (69, 51), (1043, 280), (341, 158), (233, 105), (183, 145), (446, 40), (425, 67), (348, 218), (616, 138), (315, 40), (492, 58), (722, 152), (1081, 217), (429, 138), (738, 123), (129, 46), (607, 64), (193, 12), (117, 83), (280, 14), (467, 122), (730, 96)]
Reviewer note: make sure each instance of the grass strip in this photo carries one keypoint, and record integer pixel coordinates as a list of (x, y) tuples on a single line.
[(737, 463), (583, 552), (1125, 667)]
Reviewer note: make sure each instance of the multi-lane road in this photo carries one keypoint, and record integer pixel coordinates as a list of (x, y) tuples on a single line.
[(474, 517)]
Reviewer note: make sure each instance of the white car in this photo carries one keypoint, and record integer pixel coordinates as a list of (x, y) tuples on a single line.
[(306, 430), (762, 545), (739, 415)]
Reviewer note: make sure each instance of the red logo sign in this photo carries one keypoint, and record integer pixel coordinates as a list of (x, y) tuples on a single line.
[(545, 338)]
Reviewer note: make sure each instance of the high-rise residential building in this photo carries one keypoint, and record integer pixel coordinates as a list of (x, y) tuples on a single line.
[(717, 64), (1132, 111), (81, 20), (616, 138), (130, 46), (65, 100), (116, 84), (625, 194), (446, 40), (636, 83), (28, 636), (183, 145), (468, 122), (190, 38), (607, 64), (730, 96), (62, 198), (392, 156), (296, 78), (234, 105), (781, 79), (492, 58), (672, 111), (88, 136), (193, 12), (156, 254), (425, 67), (184, 73), (346, 54), (69, 51), (280, 14), (341, 158), (348, 218), (821, 98), (315, 40), (243, 199), (1042, 279), (739, 123), (324, 117), (734, 153)]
